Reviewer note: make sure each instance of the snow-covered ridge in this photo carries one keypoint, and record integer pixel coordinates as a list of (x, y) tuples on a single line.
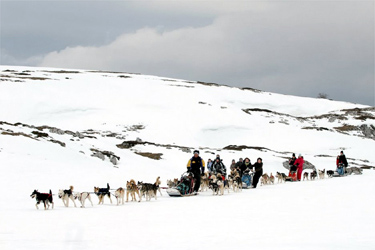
[(62, 127), (187, 114)]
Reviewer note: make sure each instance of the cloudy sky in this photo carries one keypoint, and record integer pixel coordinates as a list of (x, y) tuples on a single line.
[(291, 47)]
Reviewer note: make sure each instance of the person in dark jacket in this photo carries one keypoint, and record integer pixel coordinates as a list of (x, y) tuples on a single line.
[(258, 171), (196, 166), (239, 163), (292, 160), (342, 160), (340, 167), (219, 167), (246, 164)]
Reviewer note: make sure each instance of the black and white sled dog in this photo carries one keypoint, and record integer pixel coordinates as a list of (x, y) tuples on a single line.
[(280, 177), (82, 197), (330, 173), (216, 185), (66, 195), (42, 197), (313, 175), (306, 176), (102, 192), (149, 190)]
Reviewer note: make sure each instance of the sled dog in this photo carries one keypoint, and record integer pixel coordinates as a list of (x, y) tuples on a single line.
[(66, 195), (204, 182), (148, 189), (101, 193), (330, 173), (272, 179), (321, 173), (306, 176), (120, 195), (132, 189), (172, 183), (313, 175), (213, 185), (82, 197), (264, 179), (280, 177), (217, 184), (157, 183), (42, 197), (237, 183)]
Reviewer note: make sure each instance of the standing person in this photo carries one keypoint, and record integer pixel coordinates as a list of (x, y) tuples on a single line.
[(196, 166), (233, 165), (209, 165), (258, 169), (292, 160), (343, 161), (239, 163), (340, 167), (292, 168), (299, 163)]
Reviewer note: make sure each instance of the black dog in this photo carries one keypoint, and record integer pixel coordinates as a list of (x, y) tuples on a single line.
[(330, 173), (101, 192), (44, 197), (313, 175)]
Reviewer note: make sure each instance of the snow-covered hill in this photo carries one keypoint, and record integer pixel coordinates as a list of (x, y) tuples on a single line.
[(61, 127)]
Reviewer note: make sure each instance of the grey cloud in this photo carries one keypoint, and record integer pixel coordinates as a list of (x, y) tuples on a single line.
[(287, 47), (30, 28)]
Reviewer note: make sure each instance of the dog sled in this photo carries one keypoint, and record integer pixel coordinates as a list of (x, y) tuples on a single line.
[(340, 171), (292, 174), (246, 179), (184, 187)]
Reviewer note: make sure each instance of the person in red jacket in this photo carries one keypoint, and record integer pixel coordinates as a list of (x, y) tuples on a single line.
[(299, 163)]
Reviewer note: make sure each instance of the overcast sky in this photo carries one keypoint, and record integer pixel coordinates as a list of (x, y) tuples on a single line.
[(291, 47)]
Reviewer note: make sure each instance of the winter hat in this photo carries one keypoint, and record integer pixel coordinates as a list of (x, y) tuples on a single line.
[(196, 151), (299, 155)]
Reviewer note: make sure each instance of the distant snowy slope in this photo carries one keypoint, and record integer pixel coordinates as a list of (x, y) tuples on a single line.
[(172, 111), (62, 127)]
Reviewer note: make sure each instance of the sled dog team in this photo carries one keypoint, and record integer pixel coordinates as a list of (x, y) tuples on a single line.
[(214, 182), (147, 190)]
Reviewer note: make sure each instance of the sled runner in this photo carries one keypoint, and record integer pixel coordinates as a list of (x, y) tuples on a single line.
[(185, 186)]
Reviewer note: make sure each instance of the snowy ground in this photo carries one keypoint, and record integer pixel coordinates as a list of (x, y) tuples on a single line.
[(334, 213)]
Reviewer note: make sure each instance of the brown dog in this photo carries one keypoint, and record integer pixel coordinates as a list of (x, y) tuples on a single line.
[(132, 189)]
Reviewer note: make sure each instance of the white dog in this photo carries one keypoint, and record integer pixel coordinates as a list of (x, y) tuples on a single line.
[(120, 195), (65, 195), (82, 198)]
